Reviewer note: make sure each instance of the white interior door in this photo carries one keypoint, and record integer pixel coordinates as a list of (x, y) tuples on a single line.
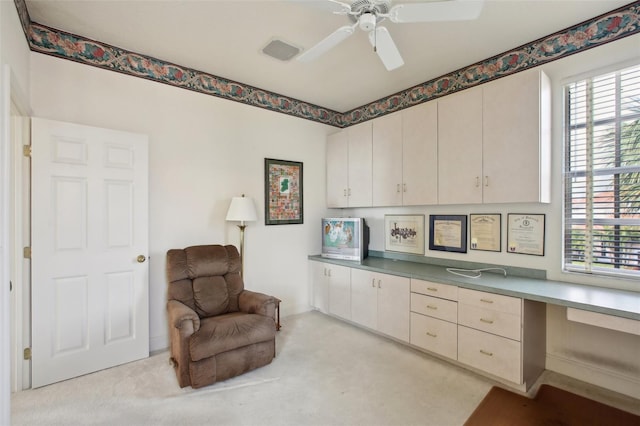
[(89, 225)]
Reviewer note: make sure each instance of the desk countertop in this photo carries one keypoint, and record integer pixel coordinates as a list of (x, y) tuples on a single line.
[(619, 303)]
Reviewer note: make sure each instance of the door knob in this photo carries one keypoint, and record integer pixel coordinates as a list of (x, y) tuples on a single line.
[(141, 258)]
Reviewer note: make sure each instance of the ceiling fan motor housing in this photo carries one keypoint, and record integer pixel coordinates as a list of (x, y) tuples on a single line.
[(367, 22)]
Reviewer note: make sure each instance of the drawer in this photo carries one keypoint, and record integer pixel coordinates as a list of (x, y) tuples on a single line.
[(500, 323), (434, 289), (440, 337), (497, 302), (432, 306), (495, 355)]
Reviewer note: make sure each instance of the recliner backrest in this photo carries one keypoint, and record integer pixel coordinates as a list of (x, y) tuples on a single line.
[(206, 278)]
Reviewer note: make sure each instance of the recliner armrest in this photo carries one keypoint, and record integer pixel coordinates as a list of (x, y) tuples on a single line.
[(253, 302), (183, 317)]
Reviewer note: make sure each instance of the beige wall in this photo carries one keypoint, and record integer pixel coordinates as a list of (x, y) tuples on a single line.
[(202, 151)]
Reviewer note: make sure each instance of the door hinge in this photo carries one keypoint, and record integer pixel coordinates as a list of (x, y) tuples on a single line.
[(27, 353), (26, 253), (26, 150)]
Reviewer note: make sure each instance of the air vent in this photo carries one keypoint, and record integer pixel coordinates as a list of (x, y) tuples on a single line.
[(280, 50)]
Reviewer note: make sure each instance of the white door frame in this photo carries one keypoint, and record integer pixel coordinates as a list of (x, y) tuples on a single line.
[(10, 94), (20, 238)]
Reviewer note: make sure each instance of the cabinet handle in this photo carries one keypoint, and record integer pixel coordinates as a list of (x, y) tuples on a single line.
[(404, 187), (486, 321), (373, 282), (328, 272), (435, 308), (345, 192), (398, 188), (432, 289), (325, 271), (349, 192), (483, 352), (477, 181), (379, 284), (486, 300), (431, 334), (486, 181)]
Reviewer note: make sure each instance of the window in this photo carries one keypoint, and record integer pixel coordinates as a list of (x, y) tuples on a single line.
[(602, 174)]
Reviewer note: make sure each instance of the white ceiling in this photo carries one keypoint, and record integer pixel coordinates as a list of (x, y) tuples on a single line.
[(225, 38)]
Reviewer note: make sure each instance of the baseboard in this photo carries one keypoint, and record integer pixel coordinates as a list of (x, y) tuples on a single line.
[(158, 343), (607, 379)]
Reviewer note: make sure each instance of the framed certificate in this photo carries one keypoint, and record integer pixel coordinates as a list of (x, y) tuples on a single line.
[(404, 233), (448, 233), (525, 234), (485, 232)]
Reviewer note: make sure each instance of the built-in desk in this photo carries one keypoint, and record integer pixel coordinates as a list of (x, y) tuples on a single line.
[(619, 303)]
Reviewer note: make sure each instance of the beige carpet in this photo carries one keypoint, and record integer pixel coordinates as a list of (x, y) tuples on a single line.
[(326, 373)]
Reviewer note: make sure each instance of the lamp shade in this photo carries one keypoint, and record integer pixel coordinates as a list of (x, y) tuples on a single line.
[(241, 209)]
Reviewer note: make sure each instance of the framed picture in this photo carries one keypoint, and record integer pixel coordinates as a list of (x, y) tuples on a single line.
[(485, 232), (448, 233), (283, 203), (404, 233), (525, 234)]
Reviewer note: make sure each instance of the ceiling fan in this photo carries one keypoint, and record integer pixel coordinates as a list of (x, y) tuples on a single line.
[(368, 14)]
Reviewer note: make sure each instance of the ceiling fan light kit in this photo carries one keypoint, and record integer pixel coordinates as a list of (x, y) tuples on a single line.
[(367, 14)]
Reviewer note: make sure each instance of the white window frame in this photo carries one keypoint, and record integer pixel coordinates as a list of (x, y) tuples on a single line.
[(593, 270)]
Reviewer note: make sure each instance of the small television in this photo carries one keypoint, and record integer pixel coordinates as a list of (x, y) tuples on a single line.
[(345, 238)]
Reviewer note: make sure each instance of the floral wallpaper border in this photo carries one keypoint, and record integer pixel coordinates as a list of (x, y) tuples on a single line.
[(606, 28)]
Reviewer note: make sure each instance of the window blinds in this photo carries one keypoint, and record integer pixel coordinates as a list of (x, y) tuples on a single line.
[(602, 174)]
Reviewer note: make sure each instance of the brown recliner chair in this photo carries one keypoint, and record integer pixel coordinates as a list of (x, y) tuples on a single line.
[(217, 328)]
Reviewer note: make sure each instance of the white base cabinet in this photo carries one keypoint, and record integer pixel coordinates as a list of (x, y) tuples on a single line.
[(331, 289), (502, 336), (380, 302)]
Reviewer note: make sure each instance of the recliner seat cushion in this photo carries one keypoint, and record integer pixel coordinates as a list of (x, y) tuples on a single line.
[(230, 331)]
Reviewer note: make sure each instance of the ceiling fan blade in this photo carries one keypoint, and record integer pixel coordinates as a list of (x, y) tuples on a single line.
[(386, 48), (338, 7), (329, 42), (448, 10)]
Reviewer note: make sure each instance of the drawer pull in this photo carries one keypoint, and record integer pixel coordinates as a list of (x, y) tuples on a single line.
[(432, 289), (486, 321), (431, 334), (486, 300), (432, 307), (483, 352)]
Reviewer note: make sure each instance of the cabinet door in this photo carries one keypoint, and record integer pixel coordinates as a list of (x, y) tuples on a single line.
[(337, 169), (420, 154), (339, 278), (393, 306), (460, 147), (387, 160), (364, 298), (360, 152), (515, 167), (319, 286)]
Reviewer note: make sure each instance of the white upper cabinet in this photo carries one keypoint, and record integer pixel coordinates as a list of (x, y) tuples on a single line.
[(349, 167), (405, 157), (387, 160), (516, 139), (487, 144), (420, 154), (360, 173), (337, 169), (460, 147)]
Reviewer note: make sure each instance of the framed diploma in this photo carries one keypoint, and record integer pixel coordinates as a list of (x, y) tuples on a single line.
[(525, 234), (404, 233), (448, 233), (485, 232)]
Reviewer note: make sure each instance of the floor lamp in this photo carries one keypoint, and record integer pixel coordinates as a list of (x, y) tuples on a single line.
[(241, 210)]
